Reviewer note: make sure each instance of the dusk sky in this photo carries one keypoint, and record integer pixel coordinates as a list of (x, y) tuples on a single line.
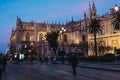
[(45, 10)]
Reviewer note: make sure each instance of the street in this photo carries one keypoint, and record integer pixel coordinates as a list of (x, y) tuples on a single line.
[(37, 71)]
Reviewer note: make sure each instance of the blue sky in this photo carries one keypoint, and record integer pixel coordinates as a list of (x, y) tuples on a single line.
[(44, 10)]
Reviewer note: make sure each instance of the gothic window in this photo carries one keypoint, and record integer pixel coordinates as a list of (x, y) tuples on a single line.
[(83, 37), (114, 30), (83, 28), (27, 37), (21, 26), (40, 37), (103, 31), (65, 38), (103, 26)]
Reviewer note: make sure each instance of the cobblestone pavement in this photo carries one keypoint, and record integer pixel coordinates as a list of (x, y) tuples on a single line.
[(36, 71)]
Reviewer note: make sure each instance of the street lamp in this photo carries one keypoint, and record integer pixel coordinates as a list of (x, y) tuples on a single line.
[(43, 40), (62, 31), (116, 8), (31, 50)]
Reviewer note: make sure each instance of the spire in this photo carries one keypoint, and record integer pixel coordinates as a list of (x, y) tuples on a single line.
[(93, 10), (18, 23), (93, 6), (66, 21), (84, 14), (13, 29), (59, 24), (89, 11), (44, 22), (18, 20), (72, 19)]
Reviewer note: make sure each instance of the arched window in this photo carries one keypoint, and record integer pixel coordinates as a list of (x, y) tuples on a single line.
[(40, 37), (64, 38), (27, 37), (83, 37)]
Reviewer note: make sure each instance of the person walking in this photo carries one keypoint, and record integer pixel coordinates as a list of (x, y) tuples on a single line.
[(74, 62), (4, 62), (1, 67), (46, 60)]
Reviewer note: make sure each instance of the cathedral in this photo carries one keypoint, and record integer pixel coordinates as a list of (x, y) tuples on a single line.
[(29, 37)]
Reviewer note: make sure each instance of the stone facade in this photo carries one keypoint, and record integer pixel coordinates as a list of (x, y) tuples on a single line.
[(26, 33)]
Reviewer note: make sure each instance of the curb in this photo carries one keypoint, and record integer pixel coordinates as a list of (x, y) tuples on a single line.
[(100, 68), (97, 68)]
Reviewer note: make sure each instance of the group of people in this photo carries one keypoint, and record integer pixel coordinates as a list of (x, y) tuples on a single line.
[(73, 60), (3, 62)]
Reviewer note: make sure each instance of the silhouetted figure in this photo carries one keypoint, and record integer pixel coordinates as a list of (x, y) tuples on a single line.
[(62, 55), (74, 62), (1, 67), (40, 59), (4, 62), (52, 59), (46, 60)]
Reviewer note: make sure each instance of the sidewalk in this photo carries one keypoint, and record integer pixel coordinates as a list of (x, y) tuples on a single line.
[(108, 66)]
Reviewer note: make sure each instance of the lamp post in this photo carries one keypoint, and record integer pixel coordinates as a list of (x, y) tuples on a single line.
[(31, 50), (116, 8), (43, 41), (62, 31), (117, 15)]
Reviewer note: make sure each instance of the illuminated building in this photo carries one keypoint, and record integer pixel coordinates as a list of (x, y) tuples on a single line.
[(76, 32)]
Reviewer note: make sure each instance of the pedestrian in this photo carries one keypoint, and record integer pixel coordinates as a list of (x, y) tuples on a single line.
[(74, 62), (40, 59), (4, 62), (1, 67), (46, 60)]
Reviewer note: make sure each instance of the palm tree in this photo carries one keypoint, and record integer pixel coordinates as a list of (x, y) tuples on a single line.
[(94, 28), (116, 20), (52, 38)]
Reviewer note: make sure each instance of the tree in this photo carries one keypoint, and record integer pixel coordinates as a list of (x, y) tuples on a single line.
[(116, 20), (52, 38), (95, 28)]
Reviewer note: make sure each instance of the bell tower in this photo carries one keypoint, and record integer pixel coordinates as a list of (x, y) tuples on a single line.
[(94, 12)]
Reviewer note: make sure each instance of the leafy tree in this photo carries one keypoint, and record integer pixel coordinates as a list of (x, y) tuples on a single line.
[(52, 38), (95, 28)]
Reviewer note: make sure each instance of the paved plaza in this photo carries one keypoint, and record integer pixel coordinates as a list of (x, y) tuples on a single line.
[(37, 71)]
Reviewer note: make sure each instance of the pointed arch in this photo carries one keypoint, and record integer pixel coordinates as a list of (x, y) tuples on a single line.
[(27, 36), (65, 37), (83, 37), (40, 37)]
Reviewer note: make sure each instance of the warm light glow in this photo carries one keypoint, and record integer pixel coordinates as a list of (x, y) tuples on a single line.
[(25, 46), (77, 41), (43, 38), (116, 8), (29, 50), (62, 28), (31, 43), (60, 31)]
